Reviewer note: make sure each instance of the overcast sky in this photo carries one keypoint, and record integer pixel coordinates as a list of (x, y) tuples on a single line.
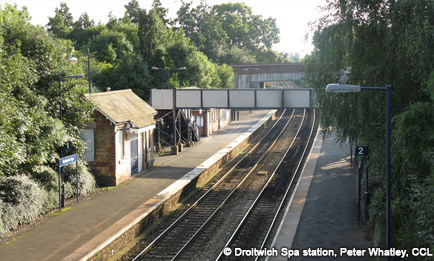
[(292, 16)]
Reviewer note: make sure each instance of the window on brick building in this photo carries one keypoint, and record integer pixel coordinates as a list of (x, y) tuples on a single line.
[(119, 145)]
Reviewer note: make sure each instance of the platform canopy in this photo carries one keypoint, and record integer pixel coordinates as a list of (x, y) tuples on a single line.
[(162, 99)]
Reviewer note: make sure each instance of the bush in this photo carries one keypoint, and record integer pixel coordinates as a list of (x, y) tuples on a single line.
[(86, 181), (46, 176), (21, 201), (30, 131)]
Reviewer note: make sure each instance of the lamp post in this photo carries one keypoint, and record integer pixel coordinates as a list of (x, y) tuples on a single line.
[(175, 143), (168, 72), (335, 87), (74, 60), (61, 185)]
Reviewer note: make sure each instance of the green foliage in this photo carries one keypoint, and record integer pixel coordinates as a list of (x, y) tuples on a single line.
[(229, 32), (109, 45), (383, 42), (271, 56), (237, 55), (129, 73), (204, 28), (132, 11), (62, 22), (83, 30), (226, 76), (124, 50), (21, 201), (86, 182), (31, 62), (414, 133), (151, 35), (160, 11), (245, 29), (130, 32)]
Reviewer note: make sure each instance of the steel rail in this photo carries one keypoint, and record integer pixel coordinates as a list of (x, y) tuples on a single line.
[(150, 245), (254, 204), (232, 192), (282, 203)]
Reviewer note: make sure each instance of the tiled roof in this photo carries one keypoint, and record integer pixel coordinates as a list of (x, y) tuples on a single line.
[(123, 106)]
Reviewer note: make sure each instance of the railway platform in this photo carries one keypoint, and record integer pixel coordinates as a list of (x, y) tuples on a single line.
[(85, 229), (322, 215)]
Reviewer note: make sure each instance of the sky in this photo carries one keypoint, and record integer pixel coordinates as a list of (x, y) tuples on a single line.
[(292, 16)]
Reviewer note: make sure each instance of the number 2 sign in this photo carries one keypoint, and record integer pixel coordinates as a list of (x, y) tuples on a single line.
[(362, 151)]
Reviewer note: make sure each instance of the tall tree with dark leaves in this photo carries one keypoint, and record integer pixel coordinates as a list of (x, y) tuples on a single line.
[(82, 30), (151, 34), (62, 23), (161, 11), (220, 30), (132, 11)]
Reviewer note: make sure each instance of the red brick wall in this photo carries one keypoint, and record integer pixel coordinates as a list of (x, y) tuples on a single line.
[(103, 167)]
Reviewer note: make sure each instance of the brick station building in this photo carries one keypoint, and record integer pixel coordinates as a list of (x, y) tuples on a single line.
[(120, 139)]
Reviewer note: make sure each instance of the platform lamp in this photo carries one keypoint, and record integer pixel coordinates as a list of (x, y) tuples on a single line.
[(336, 87), (61, 186), (74, 60), (168, 72)]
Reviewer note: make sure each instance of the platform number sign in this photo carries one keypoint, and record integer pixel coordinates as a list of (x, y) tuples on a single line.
[(362, 151)]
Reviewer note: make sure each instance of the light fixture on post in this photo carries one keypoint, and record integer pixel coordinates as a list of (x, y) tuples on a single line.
[(61, 178), (168, 72), (335, 87), (74, 60)]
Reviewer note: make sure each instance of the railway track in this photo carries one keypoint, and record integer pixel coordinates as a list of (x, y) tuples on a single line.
[(256, 228), (233, 195)]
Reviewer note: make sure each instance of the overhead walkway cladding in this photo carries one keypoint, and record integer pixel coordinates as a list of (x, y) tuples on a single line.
[(255, 75), (238, 99)]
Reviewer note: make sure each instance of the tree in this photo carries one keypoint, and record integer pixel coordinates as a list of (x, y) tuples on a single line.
[(132, 11), (62, 22), (83, 30), (237, 55), (151, 36), (161, 11), (222, 30), (109, 45), (271, 56), (31, 132), (244, 29), (203, 27), (226, 77), (129, 72), (383, 42)]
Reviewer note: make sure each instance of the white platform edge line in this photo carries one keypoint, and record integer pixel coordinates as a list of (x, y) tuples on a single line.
[(309, 176), (171, 190), (183, 181)]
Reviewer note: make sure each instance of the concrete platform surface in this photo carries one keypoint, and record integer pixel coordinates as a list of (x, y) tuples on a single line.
[(323, 212), (74, 233)]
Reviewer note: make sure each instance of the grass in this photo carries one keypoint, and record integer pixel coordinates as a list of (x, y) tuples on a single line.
[(60, 212)]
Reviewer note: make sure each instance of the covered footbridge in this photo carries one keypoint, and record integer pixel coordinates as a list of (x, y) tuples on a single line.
[(175, 106), (256, 75)]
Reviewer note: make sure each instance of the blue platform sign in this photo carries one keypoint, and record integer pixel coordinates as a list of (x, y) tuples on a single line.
[(68, 160)]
